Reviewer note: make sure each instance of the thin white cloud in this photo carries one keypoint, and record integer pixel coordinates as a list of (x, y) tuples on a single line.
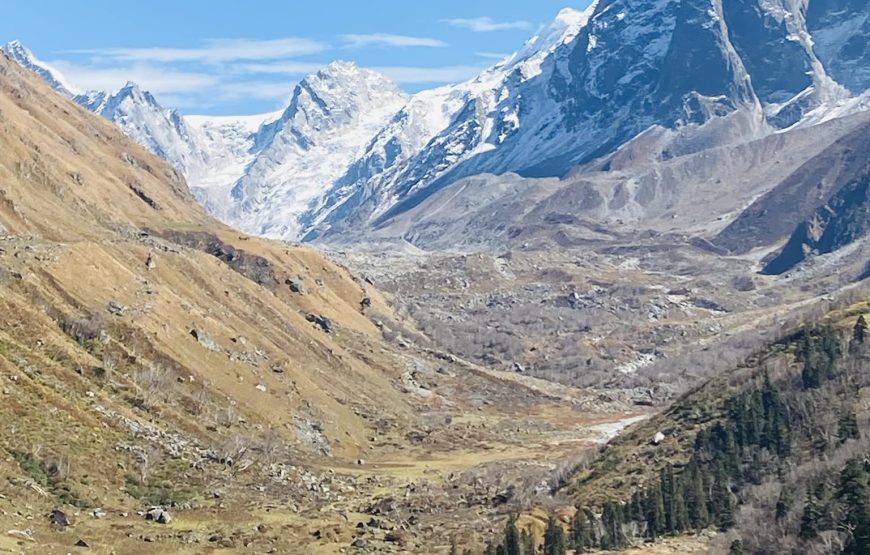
[(405, 75), (214, 51), (157, 80), (486, 24), (280, 68), (384, 39), (260, 90), (491, 55)]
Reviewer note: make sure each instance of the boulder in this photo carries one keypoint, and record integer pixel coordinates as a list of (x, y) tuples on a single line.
[(59, 518), (158, 515), (296, 285), (205, 340), (324, 323)]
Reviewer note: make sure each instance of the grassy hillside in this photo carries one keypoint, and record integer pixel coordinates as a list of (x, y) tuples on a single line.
[(769, 457)]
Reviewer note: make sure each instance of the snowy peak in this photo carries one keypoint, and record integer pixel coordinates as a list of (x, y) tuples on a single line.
[(144, 120), (332, 116), (128, 98), (337, 93), (25, 58), (562, 30)]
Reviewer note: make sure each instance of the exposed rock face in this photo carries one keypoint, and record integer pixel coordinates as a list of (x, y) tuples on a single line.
[(842, 220), (776, 214), (841, 36), (158, 515)]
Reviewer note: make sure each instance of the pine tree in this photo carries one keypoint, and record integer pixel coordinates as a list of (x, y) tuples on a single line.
[(855, 495), (818, 350), (847, 426), (736, 548), (810, 518), (675, 514), (783, 505), (680, 512), (723, 504), (594, 537), (612, 536), (489, 550), (512, 537), (696, 498), (527, 541), (654, 509), (581, 532), (554, 539), (859, 333)]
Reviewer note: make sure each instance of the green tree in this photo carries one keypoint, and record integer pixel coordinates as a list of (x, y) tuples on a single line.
[(736, 548), (654, 509), (554, 539), (512, 537), (612, 536), (582, 531), (783, 505), (859, 333), (819, 350), (855, 496), (696, 498), (723, 504), (527, 541), (810, 518), (847, 426)]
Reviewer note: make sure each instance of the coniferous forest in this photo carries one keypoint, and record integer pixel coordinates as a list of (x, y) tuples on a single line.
[(785, 467)]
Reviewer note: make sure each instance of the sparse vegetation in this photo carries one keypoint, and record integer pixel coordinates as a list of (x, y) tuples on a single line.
[(84, 329), (51, 473), (156, 492), (776, 437)]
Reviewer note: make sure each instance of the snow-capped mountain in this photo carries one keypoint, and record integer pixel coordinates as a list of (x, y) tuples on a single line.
[(144, 120), (134, 110), (678, 77), (25, 58), (331, 117), (702, 72), (439, 128)]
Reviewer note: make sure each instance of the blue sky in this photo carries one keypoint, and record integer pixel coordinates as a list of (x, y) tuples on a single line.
[(243, 57)]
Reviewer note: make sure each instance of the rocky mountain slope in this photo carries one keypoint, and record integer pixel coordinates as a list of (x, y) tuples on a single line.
[(595, 100), (842, 220), (677, 77), (261, 395)]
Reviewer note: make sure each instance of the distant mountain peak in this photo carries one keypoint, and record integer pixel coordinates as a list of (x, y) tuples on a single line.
[(26, 59)]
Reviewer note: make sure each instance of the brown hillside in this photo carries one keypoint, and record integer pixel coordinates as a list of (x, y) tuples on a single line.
[(151, 355)]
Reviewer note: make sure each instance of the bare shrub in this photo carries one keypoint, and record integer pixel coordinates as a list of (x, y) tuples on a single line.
[(199, 400), (156, 384), (273, 447), (84, 329), (227, 416), (232, 451)]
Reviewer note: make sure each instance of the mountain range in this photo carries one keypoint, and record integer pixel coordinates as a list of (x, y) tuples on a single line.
[(624, 115)]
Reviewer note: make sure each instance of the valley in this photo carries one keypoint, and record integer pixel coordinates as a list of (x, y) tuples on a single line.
[(607, 295)]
